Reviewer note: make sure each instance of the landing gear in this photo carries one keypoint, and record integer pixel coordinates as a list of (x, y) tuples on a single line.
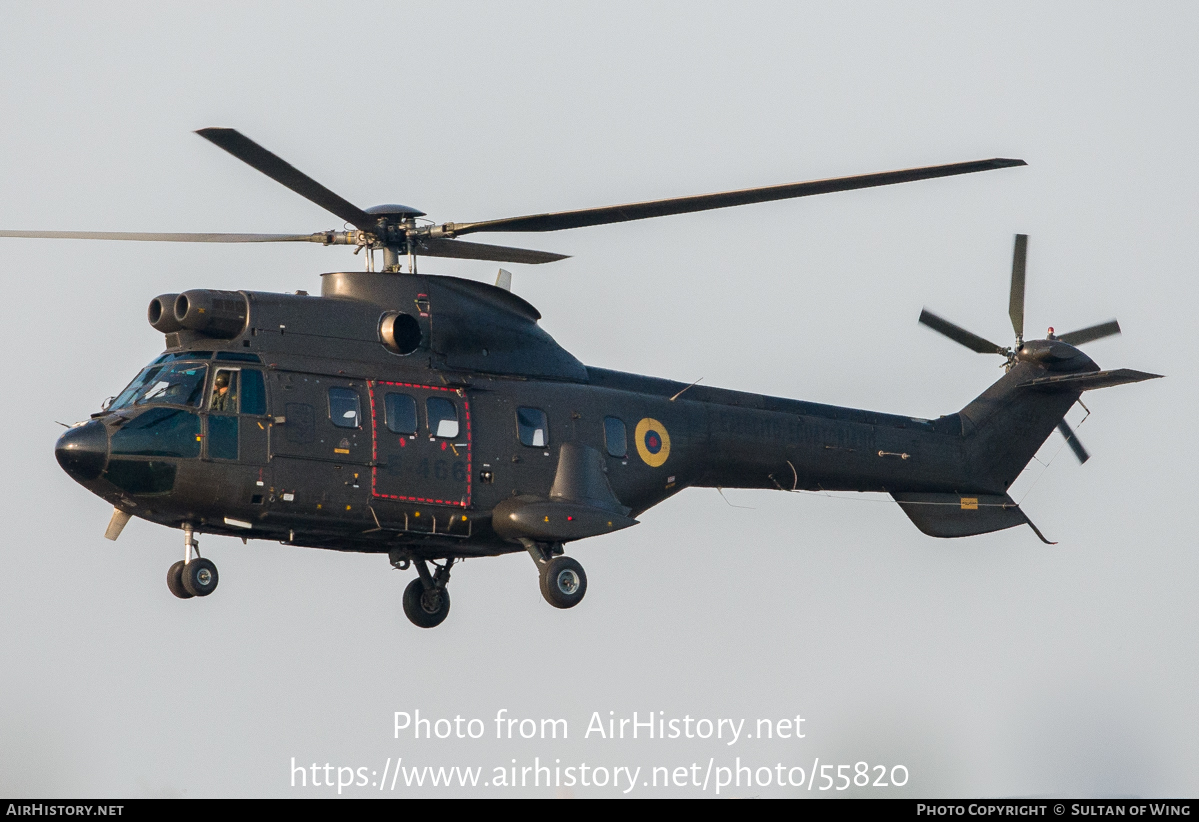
[(426, 600), (175, 581), (563, 582), (199, 577), (192, 576)]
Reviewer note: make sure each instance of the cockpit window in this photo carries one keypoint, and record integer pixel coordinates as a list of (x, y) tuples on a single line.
[(174, 384), (224, 391), (183, 355)]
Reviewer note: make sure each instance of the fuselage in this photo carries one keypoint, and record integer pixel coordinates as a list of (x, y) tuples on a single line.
[(302, 425)]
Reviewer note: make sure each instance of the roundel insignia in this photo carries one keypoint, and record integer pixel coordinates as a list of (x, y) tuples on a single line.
[(653, 443)]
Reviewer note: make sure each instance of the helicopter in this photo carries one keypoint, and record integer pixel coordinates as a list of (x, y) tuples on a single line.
[(431, 419)]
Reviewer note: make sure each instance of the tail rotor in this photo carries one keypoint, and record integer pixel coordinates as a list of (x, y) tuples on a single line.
[(1055, 349)]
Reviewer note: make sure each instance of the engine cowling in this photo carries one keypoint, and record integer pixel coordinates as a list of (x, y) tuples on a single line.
[(161, 314), (220, 314)]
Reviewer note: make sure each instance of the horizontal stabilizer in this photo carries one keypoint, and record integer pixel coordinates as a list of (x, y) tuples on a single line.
[(1091, 380), (957, 515)]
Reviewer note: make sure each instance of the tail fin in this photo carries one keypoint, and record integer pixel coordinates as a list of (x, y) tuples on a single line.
[(1001, 431), (1005, 426)]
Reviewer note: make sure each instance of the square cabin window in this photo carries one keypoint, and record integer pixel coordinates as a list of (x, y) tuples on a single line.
[(443, 417), (401, 413), (616, 437), (345, 410), (532, 427)]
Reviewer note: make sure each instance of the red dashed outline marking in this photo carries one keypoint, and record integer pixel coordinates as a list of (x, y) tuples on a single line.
[(370, 388)]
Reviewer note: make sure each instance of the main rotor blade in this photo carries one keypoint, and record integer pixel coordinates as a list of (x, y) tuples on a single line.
[(959, 334), (1091, 333), (177, 237), (479, 251), (704, 202), (1015, 307), (1072, 441), (249, 152)]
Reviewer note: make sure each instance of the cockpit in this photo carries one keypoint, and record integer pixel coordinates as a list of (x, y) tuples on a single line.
[(179, 383), (179, 379)]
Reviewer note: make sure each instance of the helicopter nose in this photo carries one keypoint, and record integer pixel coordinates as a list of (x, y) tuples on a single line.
[(83, 451)]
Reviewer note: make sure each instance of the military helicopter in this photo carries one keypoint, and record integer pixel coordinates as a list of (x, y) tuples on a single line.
[(430, 418)]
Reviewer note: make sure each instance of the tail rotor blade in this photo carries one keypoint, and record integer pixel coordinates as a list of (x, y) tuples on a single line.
[(1091, 333), (1072, 441), (959, 334), (1016, 302)]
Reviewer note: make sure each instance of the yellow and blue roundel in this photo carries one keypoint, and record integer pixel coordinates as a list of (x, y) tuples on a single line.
[(653, 443)]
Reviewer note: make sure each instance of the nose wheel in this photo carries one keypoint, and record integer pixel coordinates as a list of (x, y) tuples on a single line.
[(192, 576), (175, 581)]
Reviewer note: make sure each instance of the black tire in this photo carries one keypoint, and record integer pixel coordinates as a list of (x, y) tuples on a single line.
[(425, 609), (199, 577), (175, 581), (563, 582)]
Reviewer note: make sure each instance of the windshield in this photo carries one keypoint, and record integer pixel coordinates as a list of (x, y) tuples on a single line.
[(170, 384)]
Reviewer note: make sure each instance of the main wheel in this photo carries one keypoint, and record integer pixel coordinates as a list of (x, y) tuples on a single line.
[(199, 577), (175, 581), (563, 582), (426, 609)]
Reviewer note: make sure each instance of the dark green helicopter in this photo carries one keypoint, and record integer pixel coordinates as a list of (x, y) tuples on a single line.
[(430, 418)]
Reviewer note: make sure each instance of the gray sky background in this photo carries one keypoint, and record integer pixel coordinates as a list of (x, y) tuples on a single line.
[(989, 666)]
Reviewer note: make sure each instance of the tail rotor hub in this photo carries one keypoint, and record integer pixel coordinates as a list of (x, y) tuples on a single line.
[(1055, 351)]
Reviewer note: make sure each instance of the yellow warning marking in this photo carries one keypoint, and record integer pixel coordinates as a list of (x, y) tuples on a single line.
[(969, 503), (341, 450)]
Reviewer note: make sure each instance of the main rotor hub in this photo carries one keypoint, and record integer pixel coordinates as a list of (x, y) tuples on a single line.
[(402, 212)]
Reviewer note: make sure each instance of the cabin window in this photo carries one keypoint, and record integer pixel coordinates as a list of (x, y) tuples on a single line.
[(401, 413), (224, 392), (443, 417), (532, 427), (345, 409), (616, 437), (253, 392)]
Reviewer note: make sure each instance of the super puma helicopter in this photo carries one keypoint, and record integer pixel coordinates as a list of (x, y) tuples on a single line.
[(430, 418)]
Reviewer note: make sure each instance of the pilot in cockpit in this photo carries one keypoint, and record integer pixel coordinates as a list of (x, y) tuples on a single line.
[(224, 392)]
